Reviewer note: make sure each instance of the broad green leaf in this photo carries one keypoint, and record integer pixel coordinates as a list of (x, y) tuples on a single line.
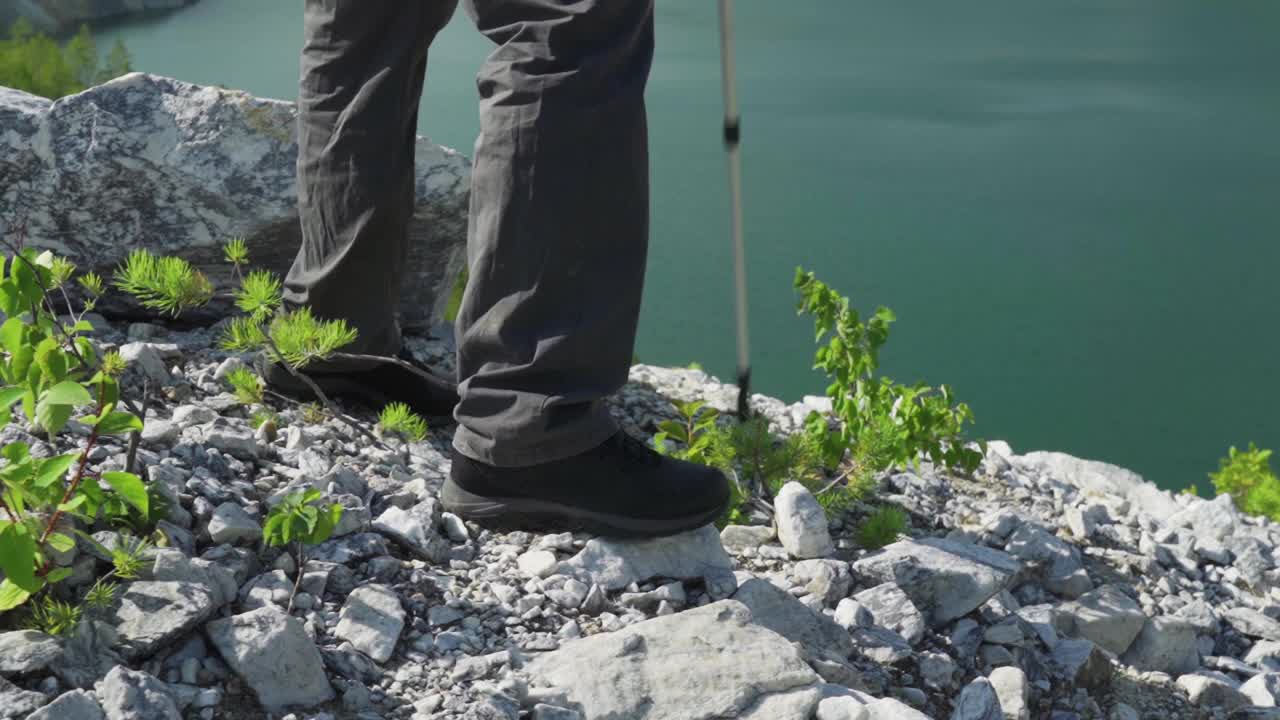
[(52, 417), (53, 469), (129, 487), (28, 286), (15, 452), (11, 596), (73, 504), (10, 395), (81, 326), (11, 334), (18, 556), (57, 575), (60, 542), (67, 393), (10, 300), (271, 530), (119, 423)]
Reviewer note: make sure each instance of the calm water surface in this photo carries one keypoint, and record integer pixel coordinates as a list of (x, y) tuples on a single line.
[(1073, 206)]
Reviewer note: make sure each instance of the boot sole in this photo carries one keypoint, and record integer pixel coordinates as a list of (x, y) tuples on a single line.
[(532, 514), (336, 386)]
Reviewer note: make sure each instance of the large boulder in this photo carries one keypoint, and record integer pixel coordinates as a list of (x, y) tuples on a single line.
[(946, 579), (778, 610), (708, 662), (150, 162)]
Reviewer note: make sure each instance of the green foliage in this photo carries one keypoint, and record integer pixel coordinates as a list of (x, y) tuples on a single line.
[(52, 616), (236, 252), (1247, 477), (300, 338), (259, 295), (167, 284), (262, 417), (129, 557), (243, 334), (924, 421), (883, 527), (693, 430), (302, 518), (102, 595), (34, 63), (52, 372), (313, 414), (246, 385), (398, 418), (113, 365)]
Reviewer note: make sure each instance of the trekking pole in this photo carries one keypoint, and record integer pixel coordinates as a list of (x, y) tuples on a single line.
[(732, 130)]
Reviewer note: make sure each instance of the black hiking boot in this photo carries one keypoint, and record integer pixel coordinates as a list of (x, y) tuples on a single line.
[(621, 488), (432, 396)]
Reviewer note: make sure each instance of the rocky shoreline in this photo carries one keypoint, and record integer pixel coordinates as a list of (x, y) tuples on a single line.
[(1043, 587), (60, 16)]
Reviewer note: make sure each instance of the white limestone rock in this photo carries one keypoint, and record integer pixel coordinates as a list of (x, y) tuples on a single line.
[(802, 523)]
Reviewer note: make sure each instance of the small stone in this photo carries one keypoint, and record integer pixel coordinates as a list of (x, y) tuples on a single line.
[(131, 695), (1210, 692), (442, 615), (740, 537), (1084, 664), (23, 652), (147, 360), (186, 416), (937, 670), (978, 701), (454, 527), (231, 524), (1108, 617), (802, 523), (371, 619), (74, 705), (228, 366), (160, 432), (892, 608), (828, 580), (852, 614), (1010, 684), (272, 653), (537, 563), (1263, 689), (1166, 644)]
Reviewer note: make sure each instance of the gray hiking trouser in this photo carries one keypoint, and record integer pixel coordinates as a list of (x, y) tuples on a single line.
[(558, 229)]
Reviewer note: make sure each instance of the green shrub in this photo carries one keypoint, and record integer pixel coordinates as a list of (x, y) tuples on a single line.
[(34, 63), (398, 419), (904, 421), (51, 370), (1247, 477), (882, 527)]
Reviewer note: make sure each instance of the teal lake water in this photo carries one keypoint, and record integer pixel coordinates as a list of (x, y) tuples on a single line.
[(1073, 206)]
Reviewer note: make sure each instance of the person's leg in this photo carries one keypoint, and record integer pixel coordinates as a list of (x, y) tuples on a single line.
[(559, 226), (362, 69), (557, 244)]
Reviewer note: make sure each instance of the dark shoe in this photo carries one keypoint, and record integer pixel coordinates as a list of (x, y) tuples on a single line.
[(621, 488), (432, 396)]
